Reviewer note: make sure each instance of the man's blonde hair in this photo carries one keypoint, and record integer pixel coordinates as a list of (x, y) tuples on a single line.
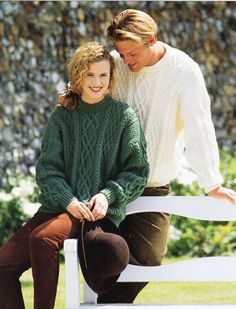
[(132, 25), (78, 66)]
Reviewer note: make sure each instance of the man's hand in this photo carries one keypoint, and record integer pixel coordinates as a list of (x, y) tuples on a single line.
[(223, 193), (80, 211), (99, 206)]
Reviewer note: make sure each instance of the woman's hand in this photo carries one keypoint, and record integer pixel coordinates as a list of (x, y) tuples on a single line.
[(80, 211), (99, 205)]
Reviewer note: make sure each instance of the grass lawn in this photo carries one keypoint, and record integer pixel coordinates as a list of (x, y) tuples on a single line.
[(160, 293)]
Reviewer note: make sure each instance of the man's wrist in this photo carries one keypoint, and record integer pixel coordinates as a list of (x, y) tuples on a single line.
[(210, 189)]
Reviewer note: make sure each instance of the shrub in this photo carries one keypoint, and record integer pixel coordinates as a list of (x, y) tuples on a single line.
[(12, 218), (188, 236), (204, 238), (18, 192)]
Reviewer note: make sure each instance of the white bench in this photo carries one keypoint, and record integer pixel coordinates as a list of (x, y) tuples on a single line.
[(197, 269)]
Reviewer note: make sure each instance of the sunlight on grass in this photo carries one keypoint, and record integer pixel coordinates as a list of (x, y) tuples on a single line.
[(188, 293), (159, 293), (27, 285)]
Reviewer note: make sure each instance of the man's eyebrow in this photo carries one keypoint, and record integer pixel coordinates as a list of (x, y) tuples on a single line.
[(132, 51)]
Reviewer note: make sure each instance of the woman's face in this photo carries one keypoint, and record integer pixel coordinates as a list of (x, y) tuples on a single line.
[(96, 82)]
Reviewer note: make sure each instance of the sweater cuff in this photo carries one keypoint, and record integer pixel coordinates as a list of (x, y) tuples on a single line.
[(210, 188), (110, 195), (66, 200)]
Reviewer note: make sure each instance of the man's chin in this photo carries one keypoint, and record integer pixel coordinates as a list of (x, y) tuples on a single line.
[(134, 69)]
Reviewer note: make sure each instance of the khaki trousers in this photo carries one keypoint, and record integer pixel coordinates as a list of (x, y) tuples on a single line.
[(146, 235)]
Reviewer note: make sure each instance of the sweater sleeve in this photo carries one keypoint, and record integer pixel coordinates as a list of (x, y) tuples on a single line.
[(134, 167), (50, 169), (201, 146)]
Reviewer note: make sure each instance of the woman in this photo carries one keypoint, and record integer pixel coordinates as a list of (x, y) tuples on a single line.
[(93, 163)]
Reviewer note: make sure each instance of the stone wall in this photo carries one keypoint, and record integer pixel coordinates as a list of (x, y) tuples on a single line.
[(37, 37)]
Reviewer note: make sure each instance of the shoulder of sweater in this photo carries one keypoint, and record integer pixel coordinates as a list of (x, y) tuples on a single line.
[(176, 59), (124, 107), (180, 59), (115, 54), (126, 111), (119, 61), (59, 115)]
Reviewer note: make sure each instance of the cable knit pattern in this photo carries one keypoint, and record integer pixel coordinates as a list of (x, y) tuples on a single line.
[(172, 102), (94, 148)]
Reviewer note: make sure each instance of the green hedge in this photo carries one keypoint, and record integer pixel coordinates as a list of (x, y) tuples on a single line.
[(16, 192), (12, 218), (204, 238), (193, 237)]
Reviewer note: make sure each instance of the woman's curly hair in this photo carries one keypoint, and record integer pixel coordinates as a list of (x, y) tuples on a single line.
[(78, 66)]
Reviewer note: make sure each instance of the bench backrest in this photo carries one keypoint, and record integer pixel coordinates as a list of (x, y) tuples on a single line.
[(198, 269)]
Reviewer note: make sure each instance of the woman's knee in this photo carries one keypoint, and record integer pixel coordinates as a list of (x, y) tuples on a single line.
[(119, 252), (113, 252), (45, 237)]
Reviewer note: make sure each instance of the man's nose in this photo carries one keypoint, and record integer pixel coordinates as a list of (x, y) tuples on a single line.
[(126, 59)]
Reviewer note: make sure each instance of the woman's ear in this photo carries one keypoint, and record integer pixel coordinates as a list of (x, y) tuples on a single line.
[(152, 40)]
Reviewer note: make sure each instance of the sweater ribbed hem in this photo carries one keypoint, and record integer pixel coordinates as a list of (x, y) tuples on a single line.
[(65, 200)]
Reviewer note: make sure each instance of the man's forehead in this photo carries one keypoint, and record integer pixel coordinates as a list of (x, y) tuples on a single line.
[(127, 46)]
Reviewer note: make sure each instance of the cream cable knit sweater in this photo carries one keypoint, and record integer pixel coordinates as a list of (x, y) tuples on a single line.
[(172, 102)]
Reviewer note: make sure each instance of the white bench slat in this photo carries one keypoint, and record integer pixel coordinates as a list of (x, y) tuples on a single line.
[(199, 269), (125, 306), (72, 274), (195, 207)]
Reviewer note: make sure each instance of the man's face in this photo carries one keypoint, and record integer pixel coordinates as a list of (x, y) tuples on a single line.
[(135, 55)]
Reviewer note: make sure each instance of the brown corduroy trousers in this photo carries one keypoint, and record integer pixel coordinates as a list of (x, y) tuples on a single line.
[(37, 245)]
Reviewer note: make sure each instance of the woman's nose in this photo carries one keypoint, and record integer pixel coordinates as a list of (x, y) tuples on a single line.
[(96, 81)]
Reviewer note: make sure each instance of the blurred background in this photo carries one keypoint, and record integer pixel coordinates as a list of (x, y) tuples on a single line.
[(37, 37)]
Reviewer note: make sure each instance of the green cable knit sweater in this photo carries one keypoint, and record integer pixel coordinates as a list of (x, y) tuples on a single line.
[(94, 148)]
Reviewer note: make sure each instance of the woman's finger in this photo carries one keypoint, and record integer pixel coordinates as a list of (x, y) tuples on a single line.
[(85, 212), (91, 203)]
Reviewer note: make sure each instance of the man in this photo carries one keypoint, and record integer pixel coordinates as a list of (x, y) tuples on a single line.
[(167, 90)]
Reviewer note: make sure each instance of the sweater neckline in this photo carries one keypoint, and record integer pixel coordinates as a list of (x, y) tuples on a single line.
[(162, 62), (96, 107)]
